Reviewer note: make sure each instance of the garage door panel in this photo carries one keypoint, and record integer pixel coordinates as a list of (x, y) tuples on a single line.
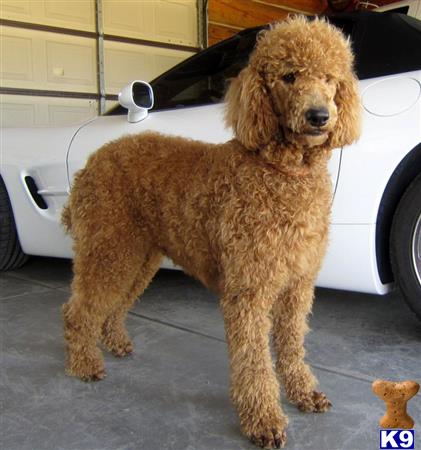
[(128, 18), (61, 67), (77, 14), (16, 59), (13, 113), (13, 10), (74, 14), (174, 24), (49, 61), (163, 21), (71, 113)]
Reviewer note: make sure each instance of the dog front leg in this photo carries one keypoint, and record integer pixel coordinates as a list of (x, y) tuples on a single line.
[(290, 313), (254, 387)]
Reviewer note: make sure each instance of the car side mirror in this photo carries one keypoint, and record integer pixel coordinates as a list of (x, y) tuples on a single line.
[(137, 97)]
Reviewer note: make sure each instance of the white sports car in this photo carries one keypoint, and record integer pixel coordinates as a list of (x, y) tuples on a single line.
[(375, 236)]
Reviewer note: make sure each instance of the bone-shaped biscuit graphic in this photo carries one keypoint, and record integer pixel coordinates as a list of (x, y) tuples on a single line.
[(396, 396)]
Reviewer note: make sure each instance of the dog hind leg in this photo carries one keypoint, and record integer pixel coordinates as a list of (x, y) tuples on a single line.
[(106, 266), (81, 325), (114, 334)]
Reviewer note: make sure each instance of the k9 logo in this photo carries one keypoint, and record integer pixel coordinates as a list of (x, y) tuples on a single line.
[(397, 439)]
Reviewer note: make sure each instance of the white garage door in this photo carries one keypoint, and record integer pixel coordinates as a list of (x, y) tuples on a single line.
[(50, 53)]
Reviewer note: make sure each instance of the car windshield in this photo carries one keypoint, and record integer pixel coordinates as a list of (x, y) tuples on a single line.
[(383, 43)]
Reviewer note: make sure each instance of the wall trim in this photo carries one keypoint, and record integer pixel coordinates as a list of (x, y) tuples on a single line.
[(232, 27), (284, 7)]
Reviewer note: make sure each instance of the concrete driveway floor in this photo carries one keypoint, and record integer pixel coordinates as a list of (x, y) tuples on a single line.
[(172, 393)]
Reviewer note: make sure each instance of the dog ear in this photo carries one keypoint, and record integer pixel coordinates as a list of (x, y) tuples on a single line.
[(248, 110), (347, 99)]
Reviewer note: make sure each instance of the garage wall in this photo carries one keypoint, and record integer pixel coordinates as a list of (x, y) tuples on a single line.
[(49, 53), (227, 17)]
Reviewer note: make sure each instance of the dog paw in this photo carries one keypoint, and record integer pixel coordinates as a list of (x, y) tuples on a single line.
[(269, 439), (119, 348), (97, 376), (122, 349), (268, 434), (94, 372), (116, 339), (87, 368), (314, 401)]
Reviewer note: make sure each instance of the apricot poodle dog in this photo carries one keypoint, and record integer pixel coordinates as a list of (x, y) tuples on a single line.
[(248, 218)]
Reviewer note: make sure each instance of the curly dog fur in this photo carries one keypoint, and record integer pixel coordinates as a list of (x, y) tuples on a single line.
[(248, 218)]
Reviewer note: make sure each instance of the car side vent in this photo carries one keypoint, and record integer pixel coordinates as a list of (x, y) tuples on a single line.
[(33, 189)]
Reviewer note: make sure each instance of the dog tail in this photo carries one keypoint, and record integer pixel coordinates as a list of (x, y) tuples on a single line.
[(66, 219)]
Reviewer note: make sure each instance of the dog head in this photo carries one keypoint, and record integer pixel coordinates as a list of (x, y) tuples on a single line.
[(298, 88)]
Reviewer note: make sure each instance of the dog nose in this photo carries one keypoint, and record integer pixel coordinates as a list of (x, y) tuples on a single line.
[(317, 117)]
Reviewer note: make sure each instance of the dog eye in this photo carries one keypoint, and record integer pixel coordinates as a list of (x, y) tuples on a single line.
[(289, 78)]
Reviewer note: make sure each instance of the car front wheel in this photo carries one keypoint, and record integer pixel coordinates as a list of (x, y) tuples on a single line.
[(406, 246), (11, 254)]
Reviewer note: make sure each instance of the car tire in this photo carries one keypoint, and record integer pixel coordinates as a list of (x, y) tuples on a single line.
[(405, 246), (11, 254)]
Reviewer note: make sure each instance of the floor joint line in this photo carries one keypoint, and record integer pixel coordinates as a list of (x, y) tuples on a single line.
[(178, 327), (359, 377)]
